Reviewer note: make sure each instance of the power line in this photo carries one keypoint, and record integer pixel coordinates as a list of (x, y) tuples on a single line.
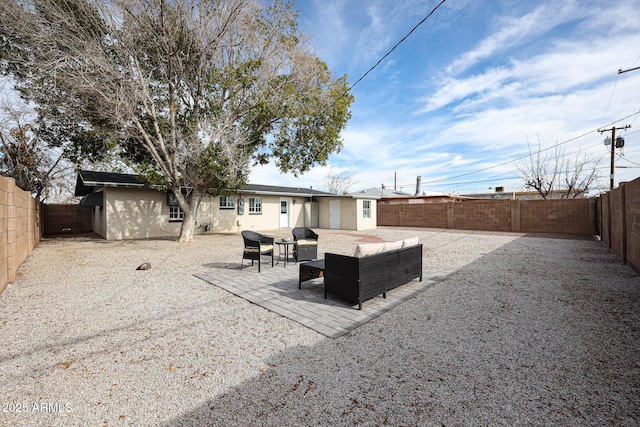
[(527, 155), (397, 44), (624, 158), (502, 177), (610, 98), (350, 88)]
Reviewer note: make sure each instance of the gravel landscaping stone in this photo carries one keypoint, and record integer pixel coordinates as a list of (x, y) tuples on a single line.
[(528, 330)]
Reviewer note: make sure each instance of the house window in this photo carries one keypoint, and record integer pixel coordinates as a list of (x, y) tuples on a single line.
[(366, 209), (175, 213), (227, 202), (255, 205)]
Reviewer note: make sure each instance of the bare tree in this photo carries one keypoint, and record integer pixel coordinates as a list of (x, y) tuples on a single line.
[(555, 175), (340, 182), (24, 156), (191, 91)]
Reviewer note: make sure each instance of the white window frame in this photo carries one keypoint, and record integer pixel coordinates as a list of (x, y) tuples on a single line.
[(255, 205), (227, 202), (366, 209), (176, 214)]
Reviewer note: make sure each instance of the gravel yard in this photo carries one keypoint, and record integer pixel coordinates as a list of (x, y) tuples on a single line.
[(529, 330)]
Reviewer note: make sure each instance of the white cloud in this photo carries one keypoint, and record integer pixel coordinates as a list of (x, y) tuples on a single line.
[(513, 31), (547, 73)]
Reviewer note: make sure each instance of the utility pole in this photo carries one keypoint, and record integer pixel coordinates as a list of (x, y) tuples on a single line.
[(614, 144)]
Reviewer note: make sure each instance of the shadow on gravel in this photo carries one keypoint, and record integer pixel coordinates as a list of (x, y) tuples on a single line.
[(538, 331)]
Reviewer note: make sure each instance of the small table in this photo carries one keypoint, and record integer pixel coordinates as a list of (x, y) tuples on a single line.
[(286, 250), (310, 270)]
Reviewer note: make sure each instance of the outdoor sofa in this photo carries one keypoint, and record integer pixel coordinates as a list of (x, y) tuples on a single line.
[(306, 247), (375, 269)]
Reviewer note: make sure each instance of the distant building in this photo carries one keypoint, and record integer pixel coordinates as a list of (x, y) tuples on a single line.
[(411, 200), (500, 194), (378, 192)]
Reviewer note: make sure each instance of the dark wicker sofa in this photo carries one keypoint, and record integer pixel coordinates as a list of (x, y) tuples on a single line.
[(358, 279)]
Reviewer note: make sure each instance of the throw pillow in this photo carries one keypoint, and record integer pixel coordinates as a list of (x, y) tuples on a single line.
[(390, 246), (411, 241), (364, 249)]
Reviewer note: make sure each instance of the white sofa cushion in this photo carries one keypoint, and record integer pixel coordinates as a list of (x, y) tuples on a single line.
[(390, 246), (411, 241), (364, 249)]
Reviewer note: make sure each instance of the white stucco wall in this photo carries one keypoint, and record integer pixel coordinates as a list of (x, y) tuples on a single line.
[(362, 222), (350, 213), (133, 213)]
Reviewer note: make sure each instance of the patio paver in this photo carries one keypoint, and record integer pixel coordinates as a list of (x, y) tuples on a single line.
[(276, 289)]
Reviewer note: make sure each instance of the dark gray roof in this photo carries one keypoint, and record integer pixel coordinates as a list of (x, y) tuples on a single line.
[(274, 189), (89, 181)]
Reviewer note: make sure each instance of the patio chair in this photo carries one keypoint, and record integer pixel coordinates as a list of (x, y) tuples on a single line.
[(256, 246), (306, 247)]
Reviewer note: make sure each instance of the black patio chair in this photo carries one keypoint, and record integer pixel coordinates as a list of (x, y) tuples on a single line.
[(256, 245), (306, 247)]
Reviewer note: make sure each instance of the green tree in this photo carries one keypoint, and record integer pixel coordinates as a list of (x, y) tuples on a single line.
[(191, 92)]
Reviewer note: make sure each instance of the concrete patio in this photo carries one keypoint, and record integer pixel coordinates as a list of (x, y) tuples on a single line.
[(276, 289)]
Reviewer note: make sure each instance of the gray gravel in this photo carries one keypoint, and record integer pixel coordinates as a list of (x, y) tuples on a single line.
[(529, 330)]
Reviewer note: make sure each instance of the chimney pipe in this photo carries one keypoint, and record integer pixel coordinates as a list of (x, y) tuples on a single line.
[(418, 181)]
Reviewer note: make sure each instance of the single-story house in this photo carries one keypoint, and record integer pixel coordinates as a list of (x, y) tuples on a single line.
[(125, 208)]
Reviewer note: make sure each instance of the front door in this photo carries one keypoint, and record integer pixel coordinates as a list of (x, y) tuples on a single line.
[(285, 205), (334, 214)]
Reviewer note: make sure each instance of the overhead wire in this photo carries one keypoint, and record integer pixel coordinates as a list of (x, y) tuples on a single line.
[(396, 45), (499, 176), (350, 88), (610, 98), (532, 153), (506, 162)]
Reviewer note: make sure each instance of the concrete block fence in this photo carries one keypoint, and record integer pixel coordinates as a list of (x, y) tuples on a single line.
[(574, 216), (19, 229)]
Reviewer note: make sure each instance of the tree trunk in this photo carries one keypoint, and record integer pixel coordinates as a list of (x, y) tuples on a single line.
[(188, 228), (190, 214)]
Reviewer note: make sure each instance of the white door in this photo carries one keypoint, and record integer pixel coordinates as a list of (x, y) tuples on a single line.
[(334, 214), (285, 205)]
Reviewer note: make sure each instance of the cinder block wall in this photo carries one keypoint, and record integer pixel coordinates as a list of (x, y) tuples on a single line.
[(632, 223), (490, 215), (19, 229), (566, 216), (574, 216), (616, 198), (620, 222)]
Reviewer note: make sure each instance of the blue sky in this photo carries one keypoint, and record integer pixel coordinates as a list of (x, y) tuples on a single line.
[(476, 81)]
